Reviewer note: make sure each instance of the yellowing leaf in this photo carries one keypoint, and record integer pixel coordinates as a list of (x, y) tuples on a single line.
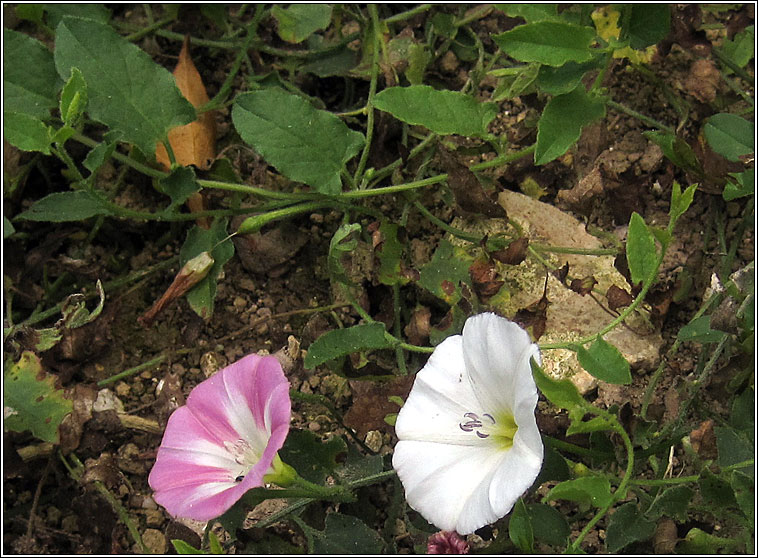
[(193, 144), (606, 21)]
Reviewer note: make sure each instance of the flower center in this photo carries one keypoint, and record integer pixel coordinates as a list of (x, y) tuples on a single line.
[(485, 425), (243, 455)]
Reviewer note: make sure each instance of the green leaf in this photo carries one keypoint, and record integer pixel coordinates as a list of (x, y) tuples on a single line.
[(625, 526), (518, 84), (313, 459), (531, 12), (26, 132), (216, 241), (742, 185), (214, 544), (741, 49), (444, 274), (73, 98), (672, 502), (443, 112), (299, 21), (699, 330), (8, 228), (744, 492), (127, 90), (742, 416), (561, 393), (733, 447), (640, 249), (182, 547), (343, 241), (562, 121), (303, 143), (554, 467), (648, 24), (520, 528), (65, 206), (698, 541), (339, 342), (30, 81), (676, 150), (548, 524), (344, 535), (605, 362), (337, 62), (587, 491), (390, 253), (716, 492), (680, 201), (56, 12), (31, 12), (595, 424), (31, 401), (358, 466), (98, 155), (547, 42), (565, 78), (730, 135), (179, 185)]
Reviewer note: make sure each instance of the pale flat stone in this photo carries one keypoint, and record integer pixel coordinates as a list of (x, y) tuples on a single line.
[(570, 316)]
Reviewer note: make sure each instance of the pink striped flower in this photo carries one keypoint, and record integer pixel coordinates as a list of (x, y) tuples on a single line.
[(224, 440)]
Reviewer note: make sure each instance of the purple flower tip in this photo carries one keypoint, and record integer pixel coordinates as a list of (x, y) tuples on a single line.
[(446, 542), (224, 440)]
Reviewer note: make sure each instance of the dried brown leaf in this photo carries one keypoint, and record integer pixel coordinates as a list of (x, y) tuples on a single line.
[(194, 143)]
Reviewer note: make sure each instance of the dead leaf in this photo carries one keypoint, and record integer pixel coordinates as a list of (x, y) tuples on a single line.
[(468, 192), (703, 80), (514, 253), (72, 426), (703, 440), (617, 297), (371, 403), (194, 143), (417, 329), (485, 279), (269, 253), (534, 315), (665, 538), (584, 285)]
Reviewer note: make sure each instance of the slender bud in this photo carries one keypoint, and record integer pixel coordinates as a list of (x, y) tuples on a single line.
[(190, 275)]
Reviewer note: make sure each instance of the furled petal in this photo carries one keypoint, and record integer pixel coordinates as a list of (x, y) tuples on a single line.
[(232, 427), (497, 353), (455, 469)]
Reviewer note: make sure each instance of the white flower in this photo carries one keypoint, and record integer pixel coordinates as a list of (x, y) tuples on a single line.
[(469, 444)]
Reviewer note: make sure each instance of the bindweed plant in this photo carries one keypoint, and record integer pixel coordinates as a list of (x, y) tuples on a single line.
[(380, 149)]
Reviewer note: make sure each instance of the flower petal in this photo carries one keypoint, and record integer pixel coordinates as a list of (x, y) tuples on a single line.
[(196, 467), (442, 481), (441, 395), (497, 353)]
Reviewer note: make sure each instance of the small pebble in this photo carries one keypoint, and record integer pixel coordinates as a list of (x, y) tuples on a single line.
[(374, 440), (155, 541), (177, 369), (53, 515), (123, 389), (70, 524), (313, 426), (239, 302), (154, 518)]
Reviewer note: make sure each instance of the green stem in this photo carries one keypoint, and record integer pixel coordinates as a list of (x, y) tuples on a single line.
[(137, 35), (475, 238), (402, 16), (92, 292), (620, 492), (503, 159), (639, 116), (394, 189), (358, 176), (573, 448)]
